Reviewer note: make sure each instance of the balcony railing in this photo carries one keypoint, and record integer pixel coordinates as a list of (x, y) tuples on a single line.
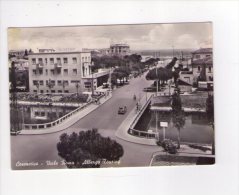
[(39, 65), (58, 65)]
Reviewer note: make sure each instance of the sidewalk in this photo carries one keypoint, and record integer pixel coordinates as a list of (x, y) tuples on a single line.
[(122, 131), (68, 122)]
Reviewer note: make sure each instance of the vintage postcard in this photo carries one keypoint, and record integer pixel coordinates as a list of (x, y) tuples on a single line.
[(111, 96)]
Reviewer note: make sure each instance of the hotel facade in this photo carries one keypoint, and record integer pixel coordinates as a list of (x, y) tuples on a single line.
[(64, 72)]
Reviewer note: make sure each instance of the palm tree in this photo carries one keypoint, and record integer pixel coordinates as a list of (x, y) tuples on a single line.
[(161, 75)]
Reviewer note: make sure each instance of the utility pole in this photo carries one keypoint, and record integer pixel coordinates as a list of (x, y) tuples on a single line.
[(173, 51), (157, 81)]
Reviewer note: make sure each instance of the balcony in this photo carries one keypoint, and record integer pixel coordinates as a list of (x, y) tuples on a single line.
[(39, 66), (58, 65)]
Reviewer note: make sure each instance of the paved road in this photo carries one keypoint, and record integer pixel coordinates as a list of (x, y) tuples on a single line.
[(40, 148)]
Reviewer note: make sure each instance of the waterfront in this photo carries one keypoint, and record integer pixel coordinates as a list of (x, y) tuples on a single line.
[(195, 130)]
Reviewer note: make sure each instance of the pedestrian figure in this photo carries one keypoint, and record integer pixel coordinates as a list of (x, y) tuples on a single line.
[(137, 106)]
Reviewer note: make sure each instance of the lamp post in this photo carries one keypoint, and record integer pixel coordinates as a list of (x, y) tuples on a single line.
[(110, 79), (157, 84), (92, 78), (77, 88), (63, 86), (157, 133)]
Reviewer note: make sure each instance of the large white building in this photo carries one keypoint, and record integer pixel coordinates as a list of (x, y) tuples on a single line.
[(59, 72), (119, 49)]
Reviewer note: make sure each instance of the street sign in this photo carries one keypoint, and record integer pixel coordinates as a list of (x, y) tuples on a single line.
[(163, 124)]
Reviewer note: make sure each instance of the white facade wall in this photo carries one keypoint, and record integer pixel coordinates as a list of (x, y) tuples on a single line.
[(196, 72), (119, 49), (201, 56), (58, 68)]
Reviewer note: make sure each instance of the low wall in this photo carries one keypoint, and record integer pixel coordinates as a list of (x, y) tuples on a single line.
[(138, 133), (53, 123)]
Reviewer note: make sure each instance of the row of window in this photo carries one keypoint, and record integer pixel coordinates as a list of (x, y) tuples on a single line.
[(52, 91), (198, 56), (58, 60), (53, 82), (48, 114), (209, 68), (54, 71)]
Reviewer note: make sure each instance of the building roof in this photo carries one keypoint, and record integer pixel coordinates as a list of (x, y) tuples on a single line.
[(202, 51), (119, 45), (51, 53), (14, 50), (182, 82), (206, 61)]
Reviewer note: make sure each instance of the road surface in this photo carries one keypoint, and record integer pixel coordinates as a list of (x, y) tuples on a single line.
[(40, 152)]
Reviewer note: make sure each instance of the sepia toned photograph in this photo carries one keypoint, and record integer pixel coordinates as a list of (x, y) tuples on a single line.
[(137, 95)]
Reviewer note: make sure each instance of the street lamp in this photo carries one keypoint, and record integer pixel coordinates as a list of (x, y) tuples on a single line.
[(157, 84), (77, 87), (157, 133), (37, 86), (92, 79), (169, 87)]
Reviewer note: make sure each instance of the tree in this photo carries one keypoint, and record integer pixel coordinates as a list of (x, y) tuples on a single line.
[(171, 64), (202, 76), (121, 73), (89, 145), (25, 52), (178, 115), (151, 62), (161, 74), (210, 116)]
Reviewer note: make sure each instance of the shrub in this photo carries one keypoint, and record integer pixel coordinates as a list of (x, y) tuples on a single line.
[(169, 147)]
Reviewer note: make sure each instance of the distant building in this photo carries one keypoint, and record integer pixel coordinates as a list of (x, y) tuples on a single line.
[(17, 53), (186, 76), (202, 64), (46, 50), (201, 53), (203, 68), (21, 64), (184, 86), (119, 49), (97, 52)]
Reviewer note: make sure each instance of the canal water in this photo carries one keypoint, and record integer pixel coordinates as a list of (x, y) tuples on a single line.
[(42, 114), (195, 130)]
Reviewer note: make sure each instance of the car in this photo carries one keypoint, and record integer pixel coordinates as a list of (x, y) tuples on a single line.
[(105, 85), (122, 110)]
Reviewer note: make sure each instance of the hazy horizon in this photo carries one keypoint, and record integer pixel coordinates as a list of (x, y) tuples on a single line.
[(138, 36)]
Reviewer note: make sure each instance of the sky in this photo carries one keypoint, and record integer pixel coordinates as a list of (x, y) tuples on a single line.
[(139, 37)]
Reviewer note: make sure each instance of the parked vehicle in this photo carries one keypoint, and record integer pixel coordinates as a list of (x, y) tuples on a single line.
[(122, 110), (105, 85)]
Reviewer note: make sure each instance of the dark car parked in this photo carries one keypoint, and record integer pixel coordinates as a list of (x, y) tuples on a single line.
[(122, 110)]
